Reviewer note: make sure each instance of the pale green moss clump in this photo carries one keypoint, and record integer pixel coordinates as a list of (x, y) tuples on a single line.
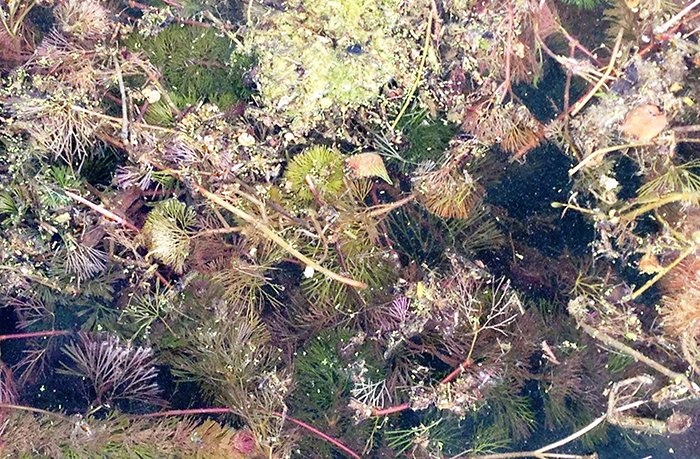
[(320, 54)]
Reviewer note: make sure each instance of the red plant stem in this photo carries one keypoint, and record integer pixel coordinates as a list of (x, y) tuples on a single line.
[(172, 3), (404, 406), (103, 211), (113, 98), (116, 218), (580, 47), (34, 334), (391, 410), (463, 366), (142, 110), (319, 434), (274, 413), (161, 414)]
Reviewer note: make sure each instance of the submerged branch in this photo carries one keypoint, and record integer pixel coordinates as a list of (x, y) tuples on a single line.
[(276, 238)]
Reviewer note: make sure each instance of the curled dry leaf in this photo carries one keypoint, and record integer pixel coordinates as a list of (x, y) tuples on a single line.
[(644, 123), (367, 165)]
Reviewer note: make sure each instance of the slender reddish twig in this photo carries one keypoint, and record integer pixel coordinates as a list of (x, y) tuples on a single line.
[(580, 47), (404, 406), (172, 3), (463, 366), (110, 215), (391, 410), (161, 414), (34, 334), (318, 433)]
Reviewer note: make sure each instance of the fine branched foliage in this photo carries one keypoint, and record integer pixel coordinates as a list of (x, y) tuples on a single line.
[(324, 168), (197, 63), (116, 371), (119, 436), (232, 358), (167, 229), (682, 179)]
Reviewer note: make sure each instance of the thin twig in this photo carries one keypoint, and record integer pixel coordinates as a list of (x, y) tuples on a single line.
[(582, 103), (574, 435), (30, 409), (382, 209), (118, 121), (103, 211), (274, 237), (162, 414), (211, 232), (462, 366), (602, 152), (124, 133), (688, 251), (318, 433), (419, 73), (617, 345), (670, 23), (229, 410), (574, 42), (655, 204), (38, 334), (390, 410), (116, 218)]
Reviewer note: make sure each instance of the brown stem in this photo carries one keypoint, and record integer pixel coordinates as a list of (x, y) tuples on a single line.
[(110, 215), (161, 414), (540, 134), (274, 237), (576, 44), (611, 65), (274, 413), (381, 209), (687, 252), (34, 334), (617, 345), (391, 410), (30, 409)]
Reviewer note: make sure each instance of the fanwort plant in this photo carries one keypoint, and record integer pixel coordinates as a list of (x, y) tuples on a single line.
[(291, 211)]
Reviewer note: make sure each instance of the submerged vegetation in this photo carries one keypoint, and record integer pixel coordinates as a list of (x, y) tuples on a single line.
[(315, 229)]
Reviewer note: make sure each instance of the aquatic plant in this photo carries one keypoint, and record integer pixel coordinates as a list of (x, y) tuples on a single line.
[(196, 64), (167, 230), (318, 170), (199, 177), (115, 370), (448, 192), (87, 21), (343, 62)]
